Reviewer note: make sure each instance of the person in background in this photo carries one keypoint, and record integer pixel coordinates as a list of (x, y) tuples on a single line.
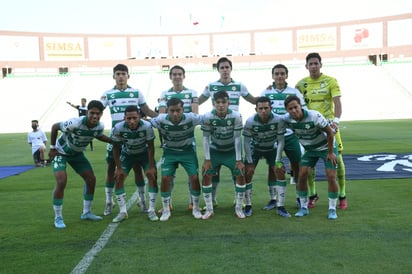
[(82, 109), (37, 140), (68, 149)]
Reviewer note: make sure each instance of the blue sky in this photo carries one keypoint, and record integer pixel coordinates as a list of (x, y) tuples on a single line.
[(165, 16)]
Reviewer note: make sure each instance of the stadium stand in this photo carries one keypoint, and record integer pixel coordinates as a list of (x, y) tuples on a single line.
[(369, 92)]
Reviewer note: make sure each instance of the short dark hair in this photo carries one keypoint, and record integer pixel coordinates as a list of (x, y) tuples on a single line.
[(132, 108), (222, 60), (174, 102), (262, 99), (95, 104), (220, 95), (120, 67), (34, 121), (280, 66), (176, 67), (313, 55), (290, 99)]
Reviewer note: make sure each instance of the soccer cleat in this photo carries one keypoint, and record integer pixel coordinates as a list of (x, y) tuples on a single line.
[(207, 215), (292, 180), (239, 213), (197, 214), (298, 203), (214, 205), (343, 204), (312, 201), (152, 216), (59, 223), (302, 212), (120, 217), (108, 209), (248, 211), (142, 205), (90, 216), (234, 204), (282, 212), (332, 214), (161, 209), (165, 215), (271, 205)]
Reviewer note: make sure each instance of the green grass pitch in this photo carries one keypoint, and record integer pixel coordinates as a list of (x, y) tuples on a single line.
[(372, 236)]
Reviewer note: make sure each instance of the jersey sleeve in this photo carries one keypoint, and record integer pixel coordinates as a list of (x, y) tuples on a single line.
[(115, 135), (149, 133), (206, 127), (206, 92), (162, 101), (196, 118), (141, 100), (334, 88), (301, 99), (104, 99), (320, 120), (247, 129), (155, 122), (282, 124), (238, 122), (244, 92), (70, 125)]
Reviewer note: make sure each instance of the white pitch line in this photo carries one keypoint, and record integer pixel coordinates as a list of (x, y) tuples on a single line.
[(87, 260)]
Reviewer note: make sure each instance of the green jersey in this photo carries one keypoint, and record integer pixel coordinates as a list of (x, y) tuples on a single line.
[(177, 137), (76, 135), (235, 90), (319, 94), (119, 100), (188, 96), (308, 130), (263, 136), (222, 131), (134, 141), (277, 97)]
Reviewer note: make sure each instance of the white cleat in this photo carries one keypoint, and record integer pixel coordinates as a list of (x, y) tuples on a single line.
[(197, 214), (165, 215), (208, 214)]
